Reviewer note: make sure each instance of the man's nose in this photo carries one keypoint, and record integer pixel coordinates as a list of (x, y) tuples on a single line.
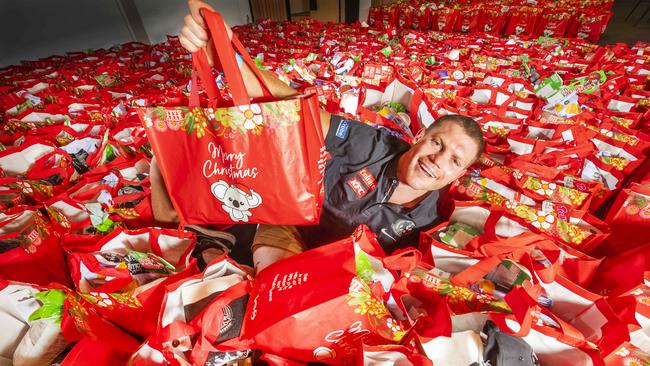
[(439, 160), (436, 159)]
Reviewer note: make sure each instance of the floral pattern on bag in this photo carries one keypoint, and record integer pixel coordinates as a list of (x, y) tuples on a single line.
[(361, 298), (31, 237), (625, 122), (224, 122), (555, 192), (637, 204), (548, 223), (479, 192), (632, 356), (461, 299), (111, 300), (617, 162)]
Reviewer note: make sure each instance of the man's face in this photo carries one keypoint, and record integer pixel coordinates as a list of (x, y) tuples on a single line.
[(437, 158)]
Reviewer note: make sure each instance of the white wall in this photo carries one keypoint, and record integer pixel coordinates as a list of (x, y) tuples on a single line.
[(31, 29), (364, 9), (163, 17)]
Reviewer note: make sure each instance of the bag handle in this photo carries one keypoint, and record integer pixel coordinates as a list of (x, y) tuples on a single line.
[(200, 66), (226, 58), (403, 261)]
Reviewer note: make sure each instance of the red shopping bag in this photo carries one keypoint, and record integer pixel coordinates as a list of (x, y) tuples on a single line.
[(468, 20), (491, 220), (629, 219), (522, 21), (91, 352), (621, 271), (406, 95), (44, 169), (184, 306), (242, 161), (492, 21), (444, 19), (320, 313), (553, 24), (30, 250), (124, 274), (589, 25), (554, 341), (628, 354), (99, 341)]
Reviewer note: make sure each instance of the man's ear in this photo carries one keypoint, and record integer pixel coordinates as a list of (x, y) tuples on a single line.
[(418, 136)]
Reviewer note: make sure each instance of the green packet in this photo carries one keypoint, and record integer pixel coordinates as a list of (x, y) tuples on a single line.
[(549, 86), (458, 235), (138, 262), (588, 84)]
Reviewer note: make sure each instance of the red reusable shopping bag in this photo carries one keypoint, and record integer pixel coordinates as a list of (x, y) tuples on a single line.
[(321, 312), (124, 275), (30, 249), (238, 160)]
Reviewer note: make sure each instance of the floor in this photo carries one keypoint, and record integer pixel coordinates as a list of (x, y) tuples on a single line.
[(627, 31)]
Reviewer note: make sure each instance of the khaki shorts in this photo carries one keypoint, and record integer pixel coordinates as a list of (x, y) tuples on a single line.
[(278, 236)]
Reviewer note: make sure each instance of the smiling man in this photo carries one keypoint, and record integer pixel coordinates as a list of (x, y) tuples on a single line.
[(372, 178)]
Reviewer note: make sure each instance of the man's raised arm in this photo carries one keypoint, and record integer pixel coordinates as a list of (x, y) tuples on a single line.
[(194, 36)]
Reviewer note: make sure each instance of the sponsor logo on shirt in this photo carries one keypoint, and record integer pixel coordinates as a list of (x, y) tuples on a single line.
[(368, 178), (357, 187), (342, 130), (402, 227)]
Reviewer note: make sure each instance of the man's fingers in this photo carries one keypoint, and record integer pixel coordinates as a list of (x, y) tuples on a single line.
[(195, 28), (189, 36), (189, 46), (195, 7)]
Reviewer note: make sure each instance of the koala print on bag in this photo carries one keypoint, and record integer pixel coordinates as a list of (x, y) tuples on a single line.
[(236, 201)]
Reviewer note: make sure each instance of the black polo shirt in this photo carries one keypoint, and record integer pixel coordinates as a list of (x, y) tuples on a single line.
[(360, 177)]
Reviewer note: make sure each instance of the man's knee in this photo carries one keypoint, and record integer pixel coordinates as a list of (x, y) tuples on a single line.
[(273, 243), (265, 255)]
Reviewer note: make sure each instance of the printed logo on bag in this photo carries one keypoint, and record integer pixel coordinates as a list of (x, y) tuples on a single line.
[(368, 178), (342, 340), (562, 211), (34, 237), (357, 187), (342, 130), (237, 200), (174, 115), (322, 163)]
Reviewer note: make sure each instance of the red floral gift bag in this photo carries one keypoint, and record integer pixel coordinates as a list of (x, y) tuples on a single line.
[(238, 160)]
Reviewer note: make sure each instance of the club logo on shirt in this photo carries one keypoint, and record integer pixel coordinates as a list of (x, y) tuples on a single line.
[(402, 227), (357, 187), (368, 178), (342, 130)]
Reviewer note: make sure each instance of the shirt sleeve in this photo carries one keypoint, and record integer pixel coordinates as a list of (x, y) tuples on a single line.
[(356, 142)]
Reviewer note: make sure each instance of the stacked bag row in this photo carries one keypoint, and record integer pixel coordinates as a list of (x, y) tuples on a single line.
[(586, 20), (541, 250)]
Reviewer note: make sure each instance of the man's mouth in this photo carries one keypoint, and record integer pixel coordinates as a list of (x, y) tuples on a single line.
[(427, 169)]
